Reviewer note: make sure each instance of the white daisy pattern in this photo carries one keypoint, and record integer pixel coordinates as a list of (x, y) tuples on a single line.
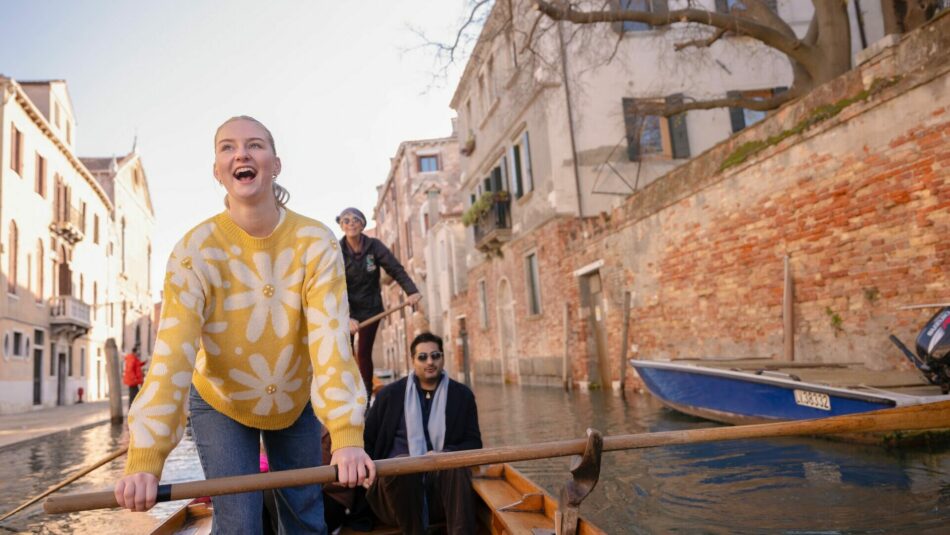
[(189, 255), (207, 341), (328, 328), (316, 398), (144, 422), (352, 399), (269, 388), (321, 237), (270, 288)]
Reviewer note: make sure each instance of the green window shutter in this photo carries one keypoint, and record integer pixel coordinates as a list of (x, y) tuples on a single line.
[(735, 113), (679, 137)]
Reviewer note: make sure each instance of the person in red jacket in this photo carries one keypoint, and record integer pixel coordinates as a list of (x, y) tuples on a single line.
[(132, 376)]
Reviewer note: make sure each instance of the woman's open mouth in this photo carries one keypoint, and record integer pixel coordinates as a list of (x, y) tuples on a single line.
[(245, 174)]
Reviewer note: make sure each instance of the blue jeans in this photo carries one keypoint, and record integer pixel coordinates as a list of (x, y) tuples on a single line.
[(228, 448)]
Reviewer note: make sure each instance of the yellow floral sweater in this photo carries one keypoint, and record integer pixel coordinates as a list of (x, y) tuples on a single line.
[(260, 326)]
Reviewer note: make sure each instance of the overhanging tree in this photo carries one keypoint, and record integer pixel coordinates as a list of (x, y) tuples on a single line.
[(820, 55)]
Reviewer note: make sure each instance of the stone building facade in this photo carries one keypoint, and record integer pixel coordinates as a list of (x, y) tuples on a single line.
[(68, 286), (420, 189), (551, 152)]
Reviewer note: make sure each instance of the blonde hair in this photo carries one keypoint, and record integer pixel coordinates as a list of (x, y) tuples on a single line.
[(281, 194)]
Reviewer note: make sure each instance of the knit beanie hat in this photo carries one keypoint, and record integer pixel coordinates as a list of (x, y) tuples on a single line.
[(353, 212)]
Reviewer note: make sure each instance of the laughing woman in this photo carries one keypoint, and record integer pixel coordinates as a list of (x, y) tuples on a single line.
[(255, 298)]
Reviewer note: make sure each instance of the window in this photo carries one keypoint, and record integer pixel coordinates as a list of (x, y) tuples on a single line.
[(95, 229), (483, 304), (16, 150), (743, 117), (40, 176), (519, 157), (56, 115), (69, 132), (29, 273), (723, 6), (38, 349), (39, 270), (95, 300), (82, 218), (18, 344), (82, 362), (649, 6), (12, 258), (429, 164), (408, 240), (123, 245), (533, 284), (652, 134)]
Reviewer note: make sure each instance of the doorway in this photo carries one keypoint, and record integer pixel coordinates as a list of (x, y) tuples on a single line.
[(61, 379), (592, 299)]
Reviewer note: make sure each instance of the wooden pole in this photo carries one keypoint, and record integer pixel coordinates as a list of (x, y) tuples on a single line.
[(914, 417), (788, 313), (112, 456), (381, 315), (115, 381), (566, 376), (624, 341)]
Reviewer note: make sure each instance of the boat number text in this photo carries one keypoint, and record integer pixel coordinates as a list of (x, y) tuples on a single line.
[(816, 400)]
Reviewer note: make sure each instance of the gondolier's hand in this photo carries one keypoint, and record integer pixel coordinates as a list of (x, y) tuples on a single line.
[(137, 492), (414, 298), (354, 326), (354, 467)]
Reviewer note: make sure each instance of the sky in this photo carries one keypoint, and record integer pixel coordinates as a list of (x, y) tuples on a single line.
[(340, 85)]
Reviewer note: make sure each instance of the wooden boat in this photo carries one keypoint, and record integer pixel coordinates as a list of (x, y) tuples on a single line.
[(764, 390), (507, 503)]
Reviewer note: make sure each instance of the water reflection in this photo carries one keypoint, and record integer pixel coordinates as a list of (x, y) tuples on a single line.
[(792, 486)]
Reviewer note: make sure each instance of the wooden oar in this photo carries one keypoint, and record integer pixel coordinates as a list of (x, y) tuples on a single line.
[(929, 416), (108, 458), (382, 315)]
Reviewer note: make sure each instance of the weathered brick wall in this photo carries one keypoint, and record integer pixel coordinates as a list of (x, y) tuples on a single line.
[(854, 186), (859, 202)]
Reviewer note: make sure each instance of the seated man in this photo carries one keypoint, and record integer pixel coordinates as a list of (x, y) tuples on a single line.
[(425, 412)]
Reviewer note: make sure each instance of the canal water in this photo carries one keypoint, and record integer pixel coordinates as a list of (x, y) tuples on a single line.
[(790, 486)]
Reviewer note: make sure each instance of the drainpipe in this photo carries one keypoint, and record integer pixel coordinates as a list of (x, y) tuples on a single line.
[(570, 116)]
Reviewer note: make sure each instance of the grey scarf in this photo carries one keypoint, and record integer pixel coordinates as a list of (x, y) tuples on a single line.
[(413, 412)]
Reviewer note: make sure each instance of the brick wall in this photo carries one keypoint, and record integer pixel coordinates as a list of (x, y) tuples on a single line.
[(858, 201)]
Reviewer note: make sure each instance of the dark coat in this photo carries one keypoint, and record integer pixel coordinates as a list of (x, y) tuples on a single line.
[(461, 419), (362, 276)]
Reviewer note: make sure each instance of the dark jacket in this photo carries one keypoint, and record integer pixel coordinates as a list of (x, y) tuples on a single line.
[(461, 419), (362, 276)]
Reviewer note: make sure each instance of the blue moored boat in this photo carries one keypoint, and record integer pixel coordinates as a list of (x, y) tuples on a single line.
[(768, 391)]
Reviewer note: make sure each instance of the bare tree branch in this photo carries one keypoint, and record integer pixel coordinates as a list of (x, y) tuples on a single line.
[(665, 109), (790, 46), (701, 43)]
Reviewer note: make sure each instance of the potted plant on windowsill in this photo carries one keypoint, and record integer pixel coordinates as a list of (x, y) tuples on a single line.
[(482, 206)]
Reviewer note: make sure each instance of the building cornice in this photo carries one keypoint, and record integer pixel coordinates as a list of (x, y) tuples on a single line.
[(40, 121)]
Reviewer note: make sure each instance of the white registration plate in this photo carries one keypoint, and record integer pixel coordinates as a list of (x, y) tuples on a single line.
[(815, 400)]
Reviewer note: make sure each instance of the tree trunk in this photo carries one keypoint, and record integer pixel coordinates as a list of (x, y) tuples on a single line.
[(834, 40)]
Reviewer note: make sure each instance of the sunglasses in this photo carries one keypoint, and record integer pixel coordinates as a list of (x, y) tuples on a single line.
[(348, 220), (435, 355)]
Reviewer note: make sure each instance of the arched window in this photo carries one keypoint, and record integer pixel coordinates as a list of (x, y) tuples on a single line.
[(12, 271), (39, 271)]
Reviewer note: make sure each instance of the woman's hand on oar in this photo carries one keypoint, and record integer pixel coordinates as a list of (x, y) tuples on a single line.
[(137, 492)]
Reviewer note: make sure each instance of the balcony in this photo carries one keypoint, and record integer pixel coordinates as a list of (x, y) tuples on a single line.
[(67, 223), (493, 226), (69, 316)]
